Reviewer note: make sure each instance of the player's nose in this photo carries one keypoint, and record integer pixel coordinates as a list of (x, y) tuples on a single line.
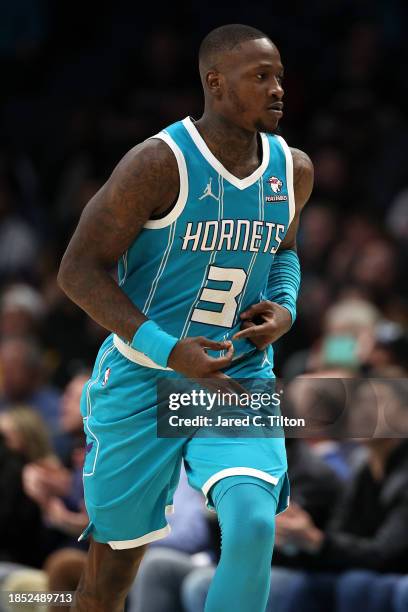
[(276, 90)]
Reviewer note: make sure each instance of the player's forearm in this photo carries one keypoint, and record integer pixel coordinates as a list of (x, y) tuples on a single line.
[(96, 292)]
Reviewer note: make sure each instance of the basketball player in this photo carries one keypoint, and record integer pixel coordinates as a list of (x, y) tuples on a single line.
[(202, 218)]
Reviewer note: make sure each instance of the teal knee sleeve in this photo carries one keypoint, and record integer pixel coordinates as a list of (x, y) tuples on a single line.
[(246, 508), (222, 486)]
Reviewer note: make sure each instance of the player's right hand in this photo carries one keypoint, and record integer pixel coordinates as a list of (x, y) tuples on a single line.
[(189, 357)]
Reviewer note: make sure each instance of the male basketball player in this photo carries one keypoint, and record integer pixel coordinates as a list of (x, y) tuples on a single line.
[(202, 218)]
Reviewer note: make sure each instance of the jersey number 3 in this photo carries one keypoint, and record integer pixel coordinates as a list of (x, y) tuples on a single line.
[(225, 299)]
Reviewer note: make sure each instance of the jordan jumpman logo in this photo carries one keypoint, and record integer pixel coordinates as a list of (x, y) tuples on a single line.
[(208, 192)]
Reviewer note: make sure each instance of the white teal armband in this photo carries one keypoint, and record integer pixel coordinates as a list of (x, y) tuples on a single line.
[(155, 343)]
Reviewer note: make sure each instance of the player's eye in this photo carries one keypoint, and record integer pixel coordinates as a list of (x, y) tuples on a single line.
[(280, 79), (261, 76)]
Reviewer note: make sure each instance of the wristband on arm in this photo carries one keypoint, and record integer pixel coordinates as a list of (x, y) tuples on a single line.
[(155, 343), (284, 281)]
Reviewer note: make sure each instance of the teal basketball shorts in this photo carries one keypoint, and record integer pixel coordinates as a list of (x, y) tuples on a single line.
[(130, 475)]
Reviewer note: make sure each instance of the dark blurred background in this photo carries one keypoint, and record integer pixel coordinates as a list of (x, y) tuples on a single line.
[(83, 82)]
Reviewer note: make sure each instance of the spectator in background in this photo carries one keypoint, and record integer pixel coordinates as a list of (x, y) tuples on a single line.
[(65, 510), (56, 489), (321, 399), (23, 580), (388, 350), (52, 493), (71, 424), (343, 341), (349, 325), (26, 433), (18, 243), (63, 569), (23, 380), (22, 537), (44, 478), (22, 310)]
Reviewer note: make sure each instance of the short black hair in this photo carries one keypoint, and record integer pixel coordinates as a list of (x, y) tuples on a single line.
[(225, 38)]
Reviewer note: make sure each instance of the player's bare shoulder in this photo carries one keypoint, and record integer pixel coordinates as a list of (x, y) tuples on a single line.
[(147, 176), (303, 175), (144, 183)]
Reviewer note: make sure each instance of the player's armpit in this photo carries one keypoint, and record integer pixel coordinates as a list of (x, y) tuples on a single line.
[(144, 183)]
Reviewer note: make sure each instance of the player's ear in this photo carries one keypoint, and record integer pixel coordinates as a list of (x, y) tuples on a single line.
[(214, 82)]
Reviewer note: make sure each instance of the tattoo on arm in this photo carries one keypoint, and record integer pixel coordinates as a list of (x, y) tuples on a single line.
[(145, 182)]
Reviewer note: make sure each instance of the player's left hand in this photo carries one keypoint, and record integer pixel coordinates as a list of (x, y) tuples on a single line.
[(264, 323)]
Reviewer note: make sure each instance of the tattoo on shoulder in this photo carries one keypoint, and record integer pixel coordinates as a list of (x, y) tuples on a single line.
[(149, 176), (143, 181)]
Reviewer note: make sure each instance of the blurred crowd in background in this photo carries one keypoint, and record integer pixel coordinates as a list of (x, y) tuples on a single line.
[(82, 86)]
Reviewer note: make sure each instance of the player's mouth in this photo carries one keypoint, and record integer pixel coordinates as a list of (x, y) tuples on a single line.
[(276, 108)]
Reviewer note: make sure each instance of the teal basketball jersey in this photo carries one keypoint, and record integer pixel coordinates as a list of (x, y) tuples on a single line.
[(194, 270)]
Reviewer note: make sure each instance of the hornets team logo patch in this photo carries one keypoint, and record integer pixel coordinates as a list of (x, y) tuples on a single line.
[(276, 185)]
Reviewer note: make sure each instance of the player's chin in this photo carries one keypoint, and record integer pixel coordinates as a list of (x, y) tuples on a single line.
[(268, 124)]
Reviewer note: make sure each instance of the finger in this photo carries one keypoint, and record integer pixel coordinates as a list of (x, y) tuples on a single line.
[(219, 363), (215, 346), (254, 310), (253, 332)]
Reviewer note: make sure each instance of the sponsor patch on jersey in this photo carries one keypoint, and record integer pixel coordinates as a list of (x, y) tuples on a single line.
[(276, 185)]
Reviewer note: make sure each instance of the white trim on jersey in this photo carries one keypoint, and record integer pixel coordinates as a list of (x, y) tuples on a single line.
[(134, 355), (183, 192), (145, 539), (163, 264), (217, 165), (289, 178)]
